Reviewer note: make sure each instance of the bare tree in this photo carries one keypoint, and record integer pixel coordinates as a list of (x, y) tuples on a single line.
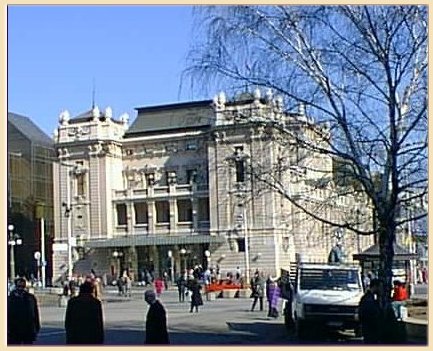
[(360, 70)]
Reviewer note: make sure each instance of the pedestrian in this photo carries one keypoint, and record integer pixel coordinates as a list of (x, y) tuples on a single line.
[(23, 323), (371, 313), (399, 296), (424, 275), (128, 286), (258, 290), (238, 273), (181, 287), (165, 278), (196, 298), (72, 286), (156, 320), (120, 288), (273, 293), (159, 286), (84, 320)]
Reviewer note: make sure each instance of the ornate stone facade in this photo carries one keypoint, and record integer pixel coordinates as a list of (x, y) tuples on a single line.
[(184, 179)]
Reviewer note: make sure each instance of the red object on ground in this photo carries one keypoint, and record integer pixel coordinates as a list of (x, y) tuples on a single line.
[(223, 285)]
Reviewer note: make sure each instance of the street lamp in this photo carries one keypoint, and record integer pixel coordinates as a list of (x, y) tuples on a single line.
[(183, 252), (117, 255), (207, 254), (68, 209), (13, 239), (170, 255)]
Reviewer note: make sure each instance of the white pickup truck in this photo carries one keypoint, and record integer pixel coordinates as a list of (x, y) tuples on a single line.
[(323, 295)]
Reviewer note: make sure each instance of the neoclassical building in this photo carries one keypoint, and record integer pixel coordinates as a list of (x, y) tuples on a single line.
[(188, 184)]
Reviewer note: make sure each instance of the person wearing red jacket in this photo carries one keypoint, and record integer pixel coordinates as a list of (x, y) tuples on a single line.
[(159, 286), (399, 296)]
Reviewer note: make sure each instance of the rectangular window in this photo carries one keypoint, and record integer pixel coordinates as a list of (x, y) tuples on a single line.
[(184, 210), (140, 213), (191, 175), (162, 211), (191, 146), (241, 244), (150, 179), (121, 214), (81, 184), (203, 209), (240, 164)]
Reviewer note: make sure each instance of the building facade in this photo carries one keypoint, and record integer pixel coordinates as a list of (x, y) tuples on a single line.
[(188, 184), (30, 196)]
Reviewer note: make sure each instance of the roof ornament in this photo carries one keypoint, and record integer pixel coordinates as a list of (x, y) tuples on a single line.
[(269, 94), (108, 112), (124, 118), (64, 117), (96, 113), (222, 98), (301, 108), (257, 94)]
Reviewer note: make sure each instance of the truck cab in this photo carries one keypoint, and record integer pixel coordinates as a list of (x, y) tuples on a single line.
[(325, 295)]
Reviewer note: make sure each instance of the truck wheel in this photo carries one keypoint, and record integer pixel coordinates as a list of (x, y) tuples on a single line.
[(358, 331)]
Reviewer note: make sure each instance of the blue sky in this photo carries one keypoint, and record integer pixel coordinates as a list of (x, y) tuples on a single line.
[(135, 55)]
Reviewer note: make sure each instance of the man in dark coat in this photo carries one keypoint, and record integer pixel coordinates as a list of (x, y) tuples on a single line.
[(84, 321), (196, 298), (181, 287), (156, 320), (371, 313), (258, 288), (22, 314)]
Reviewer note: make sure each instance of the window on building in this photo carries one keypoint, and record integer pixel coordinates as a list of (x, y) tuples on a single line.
[(191, 145), (203, 209), (191, 175), (239, 164), (184, 210), (241, 244), (121, 214), (150, 178), (162, 211), (140, 209), (81, 184)]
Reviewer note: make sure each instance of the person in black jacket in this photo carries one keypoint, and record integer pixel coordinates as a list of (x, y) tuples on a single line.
[(84, 321), (196, 298), (156, 320), (371, 313), (22, 315)]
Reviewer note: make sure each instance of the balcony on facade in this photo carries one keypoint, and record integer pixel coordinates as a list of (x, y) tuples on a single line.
[(201, 189), (178, 209)]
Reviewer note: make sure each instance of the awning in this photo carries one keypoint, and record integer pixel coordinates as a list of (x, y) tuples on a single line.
[(154, 240), (372, 253)]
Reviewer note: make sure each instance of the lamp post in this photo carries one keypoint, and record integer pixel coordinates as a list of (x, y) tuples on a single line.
[(13, 240), (117, 255), (68, 209), (207, 254), (183, 253), (170, 255)]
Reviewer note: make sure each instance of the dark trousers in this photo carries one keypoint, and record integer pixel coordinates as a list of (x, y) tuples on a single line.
[(260, 298), (181, 295), (192, 307)]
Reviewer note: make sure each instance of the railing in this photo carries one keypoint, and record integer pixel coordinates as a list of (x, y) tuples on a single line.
[(139, 192), (162, 227), (203, 224), (180, 189)]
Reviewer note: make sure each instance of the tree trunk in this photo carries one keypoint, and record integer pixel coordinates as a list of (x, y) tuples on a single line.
[(386, 257)]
